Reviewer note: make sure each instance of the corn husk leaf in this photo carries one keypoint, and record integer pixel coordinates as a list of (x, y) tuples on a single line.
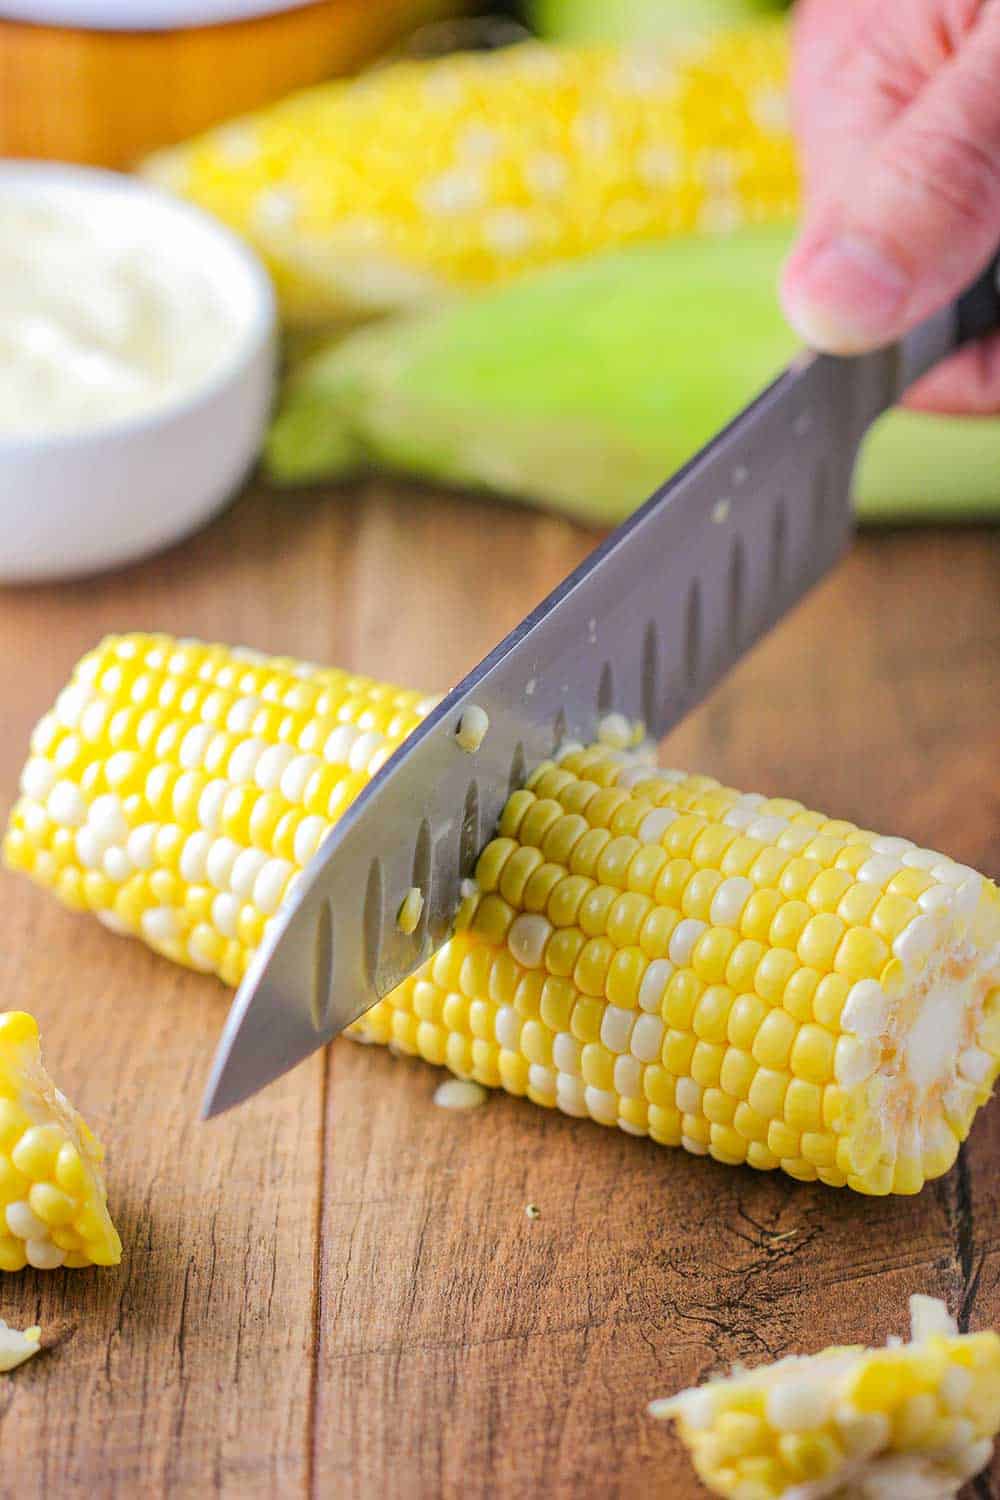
[(582, 387)]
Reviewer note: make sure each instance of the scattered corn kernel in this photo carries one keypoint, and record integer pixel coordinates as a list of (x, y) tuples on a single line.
[(459, 1093), (16, 1347)]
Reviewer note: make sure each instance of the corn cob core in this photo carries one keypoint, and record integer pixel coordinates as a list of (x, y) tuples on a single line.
[(912, 1420), (53, 1203), (429, 177), (720, 971)]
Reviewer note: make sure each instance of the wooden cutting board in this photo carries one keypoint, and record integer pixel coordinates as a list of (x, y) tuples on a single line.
[(335, 1291)]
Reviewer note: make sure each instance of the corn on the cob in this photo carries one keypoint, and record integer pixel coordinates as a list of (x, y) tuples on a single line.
[(729, 973), (908, 1422), (426, 178), (53, 1202), (16, 1347)]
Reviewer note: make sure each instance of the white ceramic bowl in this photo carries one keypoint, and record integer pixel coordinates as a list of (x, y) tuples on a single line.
[(78, 502)]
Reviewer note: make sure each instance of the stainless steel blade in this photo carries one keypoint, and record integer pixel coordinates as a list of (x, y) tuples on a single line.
[(646, 626)]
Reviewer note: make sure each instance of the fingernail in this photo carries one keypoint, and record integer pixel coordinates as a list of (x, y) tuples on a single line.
[(846, 296)]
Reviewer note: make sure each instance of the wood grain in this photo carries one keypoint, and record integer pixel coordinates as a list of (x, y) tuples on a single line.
[(336, 1291)]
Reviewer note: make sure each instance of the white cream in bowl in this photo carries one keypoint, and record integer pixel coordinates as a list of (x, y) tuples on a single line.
[(136, 368)]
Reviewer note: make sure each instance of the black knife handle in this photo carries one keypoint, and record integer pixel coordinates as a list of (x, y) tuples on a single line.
[(979, 307)]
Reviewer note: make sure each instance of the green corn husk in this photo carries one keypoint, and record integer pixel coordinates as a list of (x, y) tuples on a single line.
[(636, 20), (582, 387)]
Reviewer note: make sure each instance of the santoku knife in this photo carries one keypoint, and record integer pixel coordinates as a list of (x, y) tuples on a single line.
[(644, 627)]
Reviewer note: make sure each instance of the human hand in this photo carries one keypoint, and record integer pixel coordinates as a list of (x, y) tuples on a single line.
[(897, 109)]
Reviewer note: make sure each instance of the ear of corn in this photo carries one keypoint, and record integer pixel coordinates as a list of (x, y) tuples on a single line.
[(581, 387), (53, 1202), (424, 179), (908, 1422), (16, 1347), (726, 972)]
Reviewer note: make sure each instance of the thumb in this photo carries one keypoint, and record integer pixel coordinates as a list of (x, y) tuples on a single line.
[(921, 217)]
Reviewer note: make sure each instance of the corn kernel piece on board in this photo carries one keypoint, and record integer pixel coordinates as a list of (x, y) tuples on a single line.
[(425, 179), (53, 1202), (909, 1422)]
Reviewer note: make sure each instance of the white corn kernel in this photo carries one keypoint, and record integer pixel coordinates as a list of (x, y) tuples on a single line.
[(916, 940), (654, 982), (507, 1027), (729, 900), (242, 872), (44, 1255), (616, 1027), (65, 805), (646, 1038), (628, 1077), (193, 857), (270, 883), (220, 860), (855, 1059), (601, 1105), (527, 937), (24, 1223), (683, 938), (459, 1094), (296, 775), (308, 837), (566, 1052), (866, 1009), (159, 925), (472, 728), (271, 766), (655, 824)]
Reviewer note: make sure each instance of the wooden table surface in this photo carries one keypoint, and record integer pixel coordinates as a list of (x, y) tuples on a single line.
[(335, 1290)]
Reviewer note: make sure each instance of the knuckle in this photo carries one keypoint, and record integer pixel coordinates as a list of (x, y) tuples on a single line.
[(949, 167)]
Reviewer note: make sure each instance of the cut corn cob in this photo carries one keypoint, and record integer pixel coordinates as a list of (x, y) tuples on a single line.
[(908, 1422), (426, 178), (728, 973), (16, 1347), (53, 1203)]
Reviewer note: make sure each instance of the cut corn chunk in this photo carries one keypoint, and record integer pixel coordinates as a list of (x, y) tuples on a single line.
[(16, 1347), (908, 1422), (53, 1202), (428, 178), (725, 972)]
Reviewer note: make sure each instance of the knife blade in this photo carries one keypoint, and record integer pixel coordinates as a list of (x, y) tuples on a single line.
[(645, 627)]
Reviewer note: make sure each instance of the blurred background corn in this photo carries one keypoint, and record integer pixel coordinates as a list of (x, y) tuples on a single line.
[(725, 972), (908, 1421), (53, 1202), (423, 179)]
